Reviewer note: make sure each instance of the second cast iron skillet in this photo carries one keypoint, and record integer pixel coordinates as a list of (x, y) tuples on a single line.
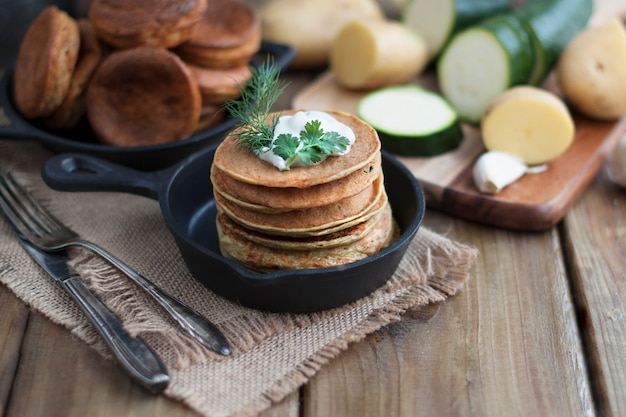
[(185, 195), (150, 157)]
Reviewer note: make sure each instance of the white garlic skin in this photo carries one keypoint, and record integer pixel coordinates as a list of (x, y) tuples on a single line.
[(494, 170)]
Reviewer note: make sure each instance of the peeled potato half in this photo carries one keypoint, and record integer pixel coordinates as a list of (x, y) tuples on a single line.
[(310, 26)]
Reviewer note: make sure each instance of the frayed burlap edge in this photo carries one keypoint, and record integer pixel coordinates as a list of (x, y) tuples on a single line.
[(449, 263), (433, 264), (142, 315), (433, 269)]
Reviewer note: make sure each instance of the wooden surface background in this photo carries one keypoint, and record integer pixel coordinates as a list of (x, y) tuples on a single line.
[(540, 330)]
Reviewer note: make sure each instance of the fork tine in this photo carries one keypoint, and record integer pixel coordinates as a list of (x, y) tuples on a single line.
[(22, 216), (37, 213), (13, 217)]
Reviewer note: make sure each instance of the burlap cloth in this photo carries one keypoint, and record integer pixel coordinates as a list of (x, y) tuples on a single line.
[(273, 354)]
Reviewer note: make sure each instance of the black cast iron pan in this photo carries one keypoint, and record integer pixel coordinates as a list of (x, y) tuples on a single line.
[(82, 139), (185, 195)]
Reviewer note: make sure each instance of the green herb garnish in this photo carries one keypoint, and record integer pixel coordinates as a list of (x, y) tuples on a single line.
[(255, 131), (312, 145)]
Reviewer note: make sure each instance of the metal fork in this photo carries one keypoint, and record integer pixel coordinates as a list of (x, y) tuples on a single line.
[(46, 232)]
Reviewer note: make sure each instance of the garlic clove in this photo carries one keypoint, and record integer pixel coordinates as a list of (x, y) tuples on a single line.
[(495, 170), (616, 163)]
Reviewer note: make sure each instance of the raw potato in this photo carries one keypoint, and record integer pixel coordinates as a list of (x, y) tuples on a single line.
[(310, 26), (374, 54), (591, 72), (529, 122)]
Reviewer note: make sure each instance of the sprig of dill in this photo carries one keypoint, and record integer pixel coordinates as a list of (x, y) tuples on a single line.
[(254, 131)]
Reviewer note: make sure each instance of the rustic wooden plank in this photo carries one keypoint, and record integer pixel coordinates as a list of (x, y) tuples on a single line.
[(595, 232), (72, 380), (12, 327), (289, 407), (506, 345)]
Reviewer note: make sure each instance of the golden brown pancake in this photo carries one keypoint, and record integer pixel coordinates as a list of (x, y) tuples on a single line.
[(143, 96), (312, 221), (329, 240), (228, 35), (45, 63), (72, 108), (220, 85), (131, 23), (312, 232), (291, 198), (245, 166), (265, 258)]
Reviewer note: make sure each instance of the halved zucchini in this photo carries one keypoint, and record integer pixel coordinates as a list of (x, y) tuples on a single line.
[(482, 62), (411, 120), (437, 20)]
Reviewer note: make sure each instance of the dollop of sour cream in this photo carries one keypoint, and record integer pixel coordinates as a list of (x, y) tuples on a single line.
[(295, 124)]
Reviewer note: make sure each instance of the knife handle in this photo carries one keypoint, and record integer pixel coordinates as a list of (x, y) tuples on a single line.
[(132, 353)]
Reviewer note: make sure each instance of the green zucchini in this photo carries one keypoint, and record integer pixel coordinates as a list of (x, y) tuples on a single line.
[(511, 32), (483, 61), (437, 20), (498, 53), (411, 120), (551, 25)]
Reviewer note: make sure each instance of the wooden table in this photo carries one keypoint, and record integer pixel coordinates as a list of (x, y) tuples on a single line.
[(539, 331)]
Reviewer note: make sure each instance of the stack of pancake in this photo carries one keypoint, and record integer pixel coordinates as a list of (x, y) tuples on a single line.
[(143, 71), (218, 52), (328, 214)]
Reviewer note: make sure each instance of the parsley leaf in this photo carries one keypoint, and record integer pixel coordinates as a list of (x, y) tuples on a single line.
[(312, 147), (286, 145)]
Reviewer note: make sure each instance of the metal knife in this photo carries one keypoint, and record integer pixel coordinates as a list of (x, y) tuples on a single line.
[(132, 353)]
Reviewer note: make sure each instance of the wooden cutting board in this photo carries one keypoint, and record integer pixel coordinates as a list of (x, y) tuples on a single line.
[(535, 202)]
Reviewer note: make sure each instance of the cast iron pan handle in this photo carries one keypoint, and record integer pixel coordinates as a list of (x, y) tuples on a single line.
[(79, 172)]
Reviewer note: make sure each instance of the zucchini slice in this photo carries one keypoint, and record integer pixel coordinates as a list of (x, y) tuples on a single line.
[(411, 120), (437, 20), (483, 61)]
